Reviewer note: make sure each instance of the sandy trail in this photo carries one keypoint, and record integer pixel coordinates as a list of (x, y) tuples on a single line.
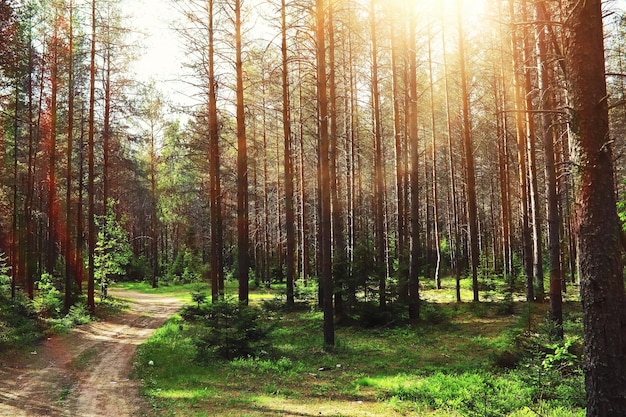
[(84, 373)]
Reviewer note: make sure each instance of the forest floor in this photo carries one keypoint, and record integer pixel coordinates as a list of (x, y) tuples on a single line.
[(86, 371)]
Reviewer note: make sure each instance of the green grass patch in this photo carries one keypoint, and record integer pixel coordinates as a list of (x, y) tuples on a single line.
[(470, 359)]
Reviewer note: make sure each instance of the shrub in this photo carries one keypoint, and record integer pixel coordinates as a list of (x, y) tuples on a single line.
[(228, 329), (48, 302)]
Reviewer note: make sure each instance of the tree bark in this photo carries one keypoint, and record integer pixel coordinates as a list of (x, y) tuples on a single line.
[(597, 225), (469, 161), (289, 171), (324, 186), (243, 261), (549, 137)]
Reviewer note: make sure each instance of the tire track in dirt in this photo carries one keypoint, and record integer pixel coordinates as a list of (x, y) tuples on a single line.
[(84, 373)]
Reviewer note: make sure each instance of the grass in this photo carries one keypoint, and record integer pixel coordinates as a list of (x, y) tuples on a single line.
[(451, 368)]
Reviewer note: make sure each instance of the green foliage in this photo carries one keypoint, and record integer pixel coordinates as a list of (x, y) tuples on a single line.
[(186, 268), (228, 329), (113, 253), (18, 319), (47, 302), (281, 366), (469, 393), (198, 297)]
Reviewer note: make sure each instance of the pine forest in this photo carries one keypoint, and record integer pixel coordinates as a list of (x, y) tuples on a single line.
[(318, 175)]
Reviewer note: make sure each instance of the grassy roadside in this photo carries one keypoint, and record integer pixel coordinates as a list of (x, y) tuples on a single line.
[(457, 364)]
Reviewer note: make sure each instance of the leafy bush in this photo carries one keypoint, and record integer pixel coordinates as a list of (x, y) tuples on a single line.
[(48, 302), (228, 329), (113, 253)]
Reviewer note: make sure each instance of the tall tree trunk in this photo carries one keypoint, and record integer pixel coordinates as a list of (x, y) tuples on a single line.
[(243, 261), (216, 256), (455, 249), (532, 161), (69, 261), (399, 175), (433, 155), (378, 166), (469, 160), (597, 228), (289, 171), (547, 104), (503, 162), (154, 232), (52, 134), (414, 301), (521, 155), (339, 242), (91, 186), (324, 186)]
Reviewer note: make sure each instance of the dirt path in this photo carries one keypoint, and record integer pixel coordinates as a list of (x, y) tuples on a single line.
[(84, 373)]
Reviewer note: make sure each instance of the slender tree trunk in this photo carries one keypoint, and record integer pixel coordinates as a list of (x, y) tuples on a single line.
[(414, 301), (378, 165), (469, 161), (243, 261), (339, 242), (52, 185), (532, 162), (521, 154), (455, 249), (548, 126), (434, 167), (68, 190), (91, 187), (324, 186), (153, 210), (399, 175), (289, 171)]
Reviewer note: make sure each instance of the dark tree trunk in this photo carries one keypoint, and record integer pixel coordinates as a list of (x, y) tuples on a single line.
[(597, 225), (289, 171), (324, 186), (549, 137), (91, 186), (243, 238)]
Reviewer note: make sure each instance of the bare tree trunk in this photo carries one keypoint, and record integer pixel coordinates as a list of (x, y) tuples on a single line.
[(414, 301), (339, 242), (547, 120), (532, 162), (434, 166), (243, 261), (69, 261), (597, 228), (521, 154), (469, 161), (91, 187), (289, 171), (216, 257), (378, 166), (52, 207), (399, 175), (455, 249), (324, 186)]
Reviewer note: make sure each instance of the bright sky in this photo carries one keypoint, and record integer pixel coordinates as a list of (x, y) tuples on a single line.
[(162, 56)]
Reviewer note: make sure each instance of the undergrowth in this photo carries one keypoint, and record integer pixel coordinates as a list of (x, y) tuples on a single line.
[(471, 359)]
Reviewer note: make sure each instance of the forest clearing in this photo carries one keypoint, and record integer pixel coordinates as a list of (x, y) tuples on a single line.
[(469, 359)]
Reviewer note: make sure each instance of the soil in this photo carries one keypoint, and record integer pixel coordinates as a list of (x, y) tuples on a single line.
[(85, 372)]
